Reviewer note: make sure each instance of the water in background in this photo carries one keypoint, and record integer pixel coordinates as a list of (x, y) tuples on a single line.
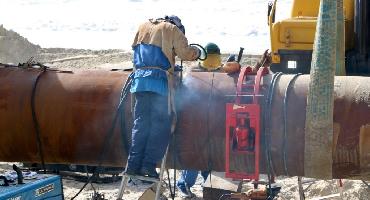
[(111, 24)]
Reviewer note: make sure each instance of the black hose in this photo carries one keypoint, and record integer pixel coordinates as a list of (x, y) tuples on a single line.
[(107, 140), (266, 129), (203, 49), (174, 160), (209, 164), (367, 184), (124, 140), (172, 192), (35, 120), (285, 116)]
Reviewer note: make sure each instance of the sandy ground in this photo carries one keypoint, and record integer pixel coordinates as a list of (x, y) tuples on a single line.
[(314, 189), (119, 59)]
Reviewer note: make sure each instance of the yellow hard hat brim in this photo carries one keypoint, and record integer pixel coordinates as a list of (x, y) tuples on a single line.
[(213, 61)]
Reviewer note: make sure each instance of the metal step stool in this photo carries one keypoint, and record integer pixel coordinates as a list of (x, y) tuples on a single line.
[(126, 177)]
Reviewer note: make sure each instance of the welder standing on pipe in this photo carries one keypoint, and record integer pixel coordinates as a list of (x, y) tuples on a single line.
[(155, 46)]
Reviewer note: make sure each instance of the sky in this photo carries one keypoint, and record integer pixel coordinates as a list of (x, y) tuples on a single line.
[(112, 24)]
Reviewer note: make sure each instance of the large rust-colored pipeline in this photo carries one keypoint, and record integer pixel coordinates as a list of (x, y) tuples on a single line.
[(75, 110)]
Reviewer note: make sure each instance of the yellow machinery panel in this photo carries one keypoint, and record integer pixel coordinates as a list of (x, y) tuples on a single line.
[(298, 32), (308, 8)]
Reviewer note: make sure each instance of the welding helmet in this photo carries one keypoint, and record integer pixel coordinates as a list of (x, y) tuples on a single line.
[(175, 20)]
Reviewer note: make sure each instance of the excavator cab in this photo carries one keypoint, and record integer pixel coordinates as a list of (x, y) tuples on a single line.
[(292, 39)]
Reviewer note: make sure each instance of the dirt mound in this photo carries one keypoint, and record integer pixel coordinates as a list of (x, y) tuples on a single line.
[(14, 48)]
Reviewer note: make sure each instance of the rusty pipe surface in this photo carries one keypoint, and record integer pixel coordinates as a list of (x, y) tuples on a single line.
[(75, 111)]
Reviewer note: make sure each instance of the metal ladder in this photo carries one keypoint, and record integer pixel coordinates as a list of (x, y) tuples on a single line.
[(126, 177)]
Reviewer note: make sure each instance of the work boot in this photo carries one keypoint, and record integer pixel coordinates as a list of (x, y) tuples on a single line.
[(185, 193), (152, 173)]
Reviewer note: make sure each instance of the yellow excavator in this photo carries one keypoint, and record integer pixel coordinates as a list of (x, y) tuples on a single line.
[(292, 38)]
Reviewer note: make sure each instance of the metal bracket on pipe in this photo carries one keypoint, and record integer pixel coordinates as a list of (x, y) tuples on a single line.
[(243, 127)]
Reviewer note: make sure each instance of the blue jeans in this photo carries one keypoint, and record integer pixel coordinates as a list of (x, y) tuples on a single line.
[(150, 131), (188, 178)]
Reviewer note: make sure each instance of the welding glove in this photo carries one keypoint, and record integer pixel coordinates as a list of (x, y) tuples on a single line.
[(231, 67)]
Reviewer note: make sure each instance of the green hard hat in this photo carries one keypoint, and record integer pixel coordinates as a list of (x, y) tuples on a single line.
[(212, 48)]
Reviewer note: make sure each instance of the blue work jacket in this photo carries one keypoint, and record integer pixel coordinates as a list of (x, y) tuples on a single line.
[(147, 79)]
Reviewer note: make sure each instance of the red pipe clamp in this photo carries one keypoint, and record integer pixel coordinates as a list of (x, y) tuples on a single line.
[(243, 127)]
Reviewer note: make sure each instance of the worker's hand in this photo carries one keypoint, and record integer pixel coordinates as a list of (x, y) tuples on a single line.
[(202, 54), (231, 67)]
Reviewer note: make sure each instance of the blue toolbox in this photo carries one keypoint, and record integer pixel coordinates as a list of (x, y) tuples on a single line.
[(42, 186)]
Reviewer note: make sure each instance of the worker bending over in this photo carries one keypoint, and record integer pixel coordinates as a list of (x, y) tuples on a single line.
[(155, 46), (212, 63)]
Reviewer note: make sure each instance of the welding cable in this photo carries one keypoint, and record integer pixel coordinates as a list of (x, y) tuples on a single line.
[(266, 128), (285, 116), (34, 116), (268, 108), (172, 192), (270, 100), (209, 164), (88, 176), (124, 93), (265, 135), (174, 149), (174, 160), (108, 138), (175, 153), (365, 183)]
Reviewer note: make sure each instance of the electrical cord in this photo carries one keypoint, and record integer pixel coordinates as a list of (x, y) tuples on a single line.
[(266, 142), (285, 116), (88, 176), (172, 192), (367, 184), (107, 140), (266, 129), (209, 132), (33, 111), (31, 64), (174, 149), (124, 140), (174, 159)]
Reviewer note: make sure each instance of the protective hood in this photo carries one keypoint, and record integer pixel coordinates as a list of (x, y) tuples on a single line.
[(176, 21)]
